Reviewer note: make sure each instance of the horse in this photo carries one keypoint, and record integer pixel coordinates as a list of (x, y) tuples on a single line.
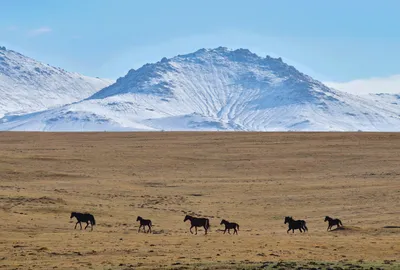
[(198, 222), (144, 222), (229, 226), (84, 217), (332, 222), (296, 224)]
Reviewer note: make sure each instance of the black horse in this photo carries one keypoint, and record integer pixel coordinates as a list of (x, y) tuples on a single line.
[(332, 222), (198, 222), (84, 217), (296, 224), (229, 226), (143, 223)]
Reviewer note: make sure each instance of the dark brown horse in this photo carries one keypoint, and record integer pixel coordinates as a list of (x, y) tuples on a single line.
[(296, 224), (333, 222), (143, 223), (83, 217), (229, 226), (198, 222)]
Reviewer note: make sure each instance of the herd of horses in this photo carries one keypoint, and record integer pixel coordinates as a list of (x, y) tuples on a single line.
[(205, 223)]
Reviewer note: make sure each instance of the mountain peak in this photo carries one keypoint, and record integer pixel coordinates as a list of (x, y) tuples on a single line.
[(241, 65), (220, 51)]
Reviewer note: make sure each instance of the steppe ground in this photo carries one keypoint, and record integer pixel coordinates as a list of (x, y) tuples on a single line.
[(255, 179)]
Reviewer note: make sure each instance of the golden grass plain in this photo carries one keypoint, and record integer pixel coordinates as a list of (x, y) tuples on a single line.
[(254, 179)]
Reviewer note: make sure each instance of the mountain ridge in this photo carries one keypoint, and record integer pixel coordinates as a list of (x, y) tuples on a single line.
[(27, 85), (214, 89)]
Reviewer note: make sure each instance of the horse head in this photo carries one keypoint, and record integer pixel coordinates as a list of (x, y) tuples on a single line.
[(288, 219), (223, 222), (326, 218), (72, 214), (139, 218), (186, 218)]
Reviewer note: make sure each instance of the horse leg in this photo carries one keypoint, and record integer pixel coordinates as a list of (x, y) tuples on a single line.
[(139, 228), (288, 230), (225, 230), (300, 230), (205, 229), (191, 229), (195, 228), (80, 224), (235, 231), (229, 231), (87, 224), (149, 229), (76, 224)]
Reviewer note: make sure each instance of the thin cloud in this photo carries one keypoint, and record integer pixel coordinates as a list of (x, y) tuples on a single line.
[(40, 31), (368, 86)]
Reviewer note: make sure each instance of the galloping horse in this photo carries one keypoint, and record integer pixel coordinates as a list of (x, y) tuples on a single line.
[(296, 224), (229, 226), (84, 217), (144, 222), (198, 222), (332, 222)]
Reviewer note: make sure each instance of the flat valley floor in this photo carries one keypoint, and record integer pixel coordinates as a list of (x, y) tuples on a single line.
[(254, 179)]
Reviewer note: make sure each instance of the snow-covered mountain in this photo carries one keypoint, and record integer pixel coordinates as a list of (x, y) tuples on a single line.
[(215, 89), (27, 85)]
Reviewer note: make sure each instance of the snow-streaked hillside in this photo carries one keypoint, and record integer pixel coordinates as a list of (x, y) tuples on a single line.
[(27, 85), (217, 89)]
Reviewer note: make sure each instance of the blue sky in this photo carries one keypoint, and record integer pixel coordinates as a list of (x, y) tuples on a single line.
[(329, 40)]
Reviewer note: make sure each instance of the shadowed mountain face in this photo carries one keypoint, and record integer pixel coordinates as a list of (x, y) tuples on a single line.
[(214, 89), (27, 85)]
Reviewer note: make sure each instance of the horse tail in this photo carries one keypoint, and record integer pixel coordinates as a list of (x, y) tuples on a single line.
[(340, 222), (208, 224), (237, 226), (93, 220)]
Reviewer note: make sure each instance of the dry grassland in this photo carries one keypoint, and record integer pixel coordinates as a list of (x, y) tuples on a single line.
[(254, 179)]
